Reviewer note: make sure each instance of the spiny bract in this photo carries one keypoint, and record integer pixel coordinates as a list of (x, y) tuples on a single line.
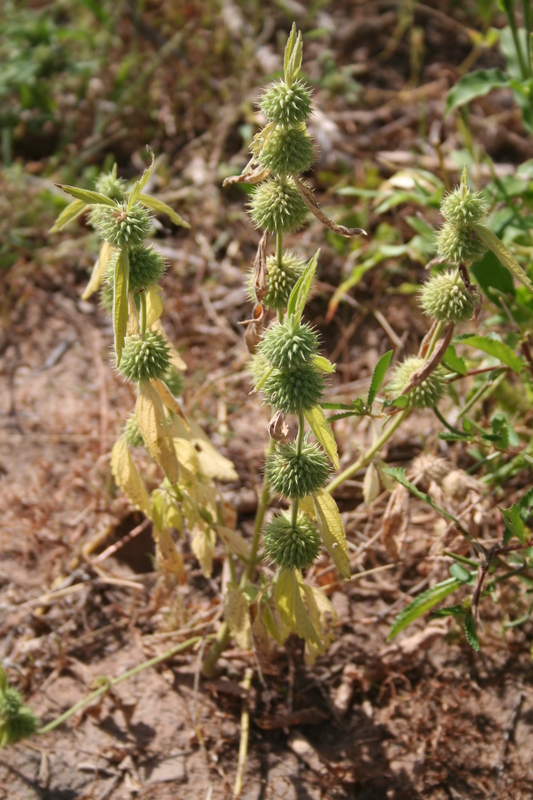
[(288, 345), (146, 267), (460, 244), (297, 475), (144, 358), (293, 547), (294, 390), (132, 433), (286, 105), (428, 393), (288, 150), (281, 279), (121, 227), (446, 298), (17, 720), (277, 206), (111, 186)]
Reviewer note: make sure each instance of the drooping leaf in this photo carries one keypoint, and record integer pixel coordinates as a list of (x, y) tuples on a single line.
[(99, 270), (494, 348), (187, 456), (332, 531), (503, 253), (321, 428), (298, 296), (128, 479), (68, 214), (378, 376), (279, 633), (471, 632), (323, 618), (88, 197), (473, 85), (291, 607), (371, 484), (424, 602), (154, 429), (171, 402), (120, 301), (203, 548), (154, 204), (168, 557)]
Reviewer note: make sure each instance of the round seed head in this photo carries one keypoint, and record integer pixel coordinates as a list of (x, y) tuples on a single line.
[(144, 358), (111, 186), (19, 727), (106, 297), (428, 393), (286, 345), (146, 267), (286, 105), (463, 207), (288, 150), (132, 433), (293, 547), (460, 244), (11, 702), (258, 366), (294, 475), (277, 206), (295, 390), (121, 227), (446, 298), (174, 381), (281, 279)]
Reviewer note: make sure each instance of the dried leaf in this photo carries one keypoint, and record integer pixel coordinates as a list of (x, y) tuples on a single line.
[(260, 270), (203, 548), (311, 203), (169, 559), (395, 520), (99, 269), (155, 431), (277, 427), (251, 176), (234, 541), (171, 402), (212, 463), (371, 484), (237, 615), (154, 305), (128, 479)]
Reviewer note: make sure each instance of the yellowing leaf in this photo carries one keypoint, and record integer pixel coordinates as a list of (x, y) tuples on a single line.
[(291, 607), (154, 305), (237, 615), (133, 316), (323, 364), (120, 301), (320, 427), (99, 269), (331, 530), (212, 463), (279, 633), (169, 559), (187, 455), (307, 505), (155, 431), (204, 549), (371, 484), (69, 213), (233, 541), (128, 479), (171, 402), (323, 617)]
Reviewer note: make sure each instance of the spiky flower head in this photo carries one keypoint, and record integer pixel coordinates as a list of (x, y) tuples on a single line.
[(286, 105), (106, 297), (446, 298), (460, 244), (281, 279), (462, 206), (121, 227), (17, 720), (132, 433), (288, 150), (293, 547), (258, 366), (277, 206), (294, 474), (113, 187), (425, 395), (289, 344), (294, 390), (144, 358), (147, 267)]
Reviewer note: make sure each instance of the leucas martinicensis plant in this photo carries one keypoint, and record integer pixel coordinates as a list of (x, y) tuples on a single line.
[(420, 381)]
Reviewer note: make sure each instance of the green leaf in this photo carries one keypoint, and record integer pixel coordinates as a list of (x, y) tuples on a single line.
[(158, 205), (291, 607), (378, 376), (139, 185), (474, 84), (449, 611), (494, 348), (291, 41), (298, 297), (87, 196), (461, 574), (471, 632), (454, 362), (331, 530), (120, 301), (68, 214), (320, 427), (324, 365), (423, 603), (502, 428), (493, 278), (503, 253), (513, 522)]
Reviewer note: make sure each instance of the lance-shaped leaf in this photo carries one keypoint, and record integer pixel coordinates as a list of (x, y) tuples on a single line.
[(503, 253), (237, 615), (87, 196), (168, 557), (154, 204), (423, 603), (120, 301), (171, 402), (203, 548), (378, 376), (99, 269), (321, 428), (68, 214), (300, 291), (139, 185), (212, 463), (154, 429), (291, 607), (471, 632), (332, 531), (128, 479), (495, 348), (324, 365), (154, 305)]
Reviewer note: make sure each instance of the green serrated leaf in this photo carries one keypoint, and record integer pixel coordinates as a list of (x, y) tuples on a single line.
[(424, 602), (68, 214), (87, 196), (454, 362), (320, 427), (298, 296), (474, 84), (503, 253), (120, 301), (514, 522), (449, 611), (471, 632), (494, 348), (139, 185), (378, 376), (158, 205)]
